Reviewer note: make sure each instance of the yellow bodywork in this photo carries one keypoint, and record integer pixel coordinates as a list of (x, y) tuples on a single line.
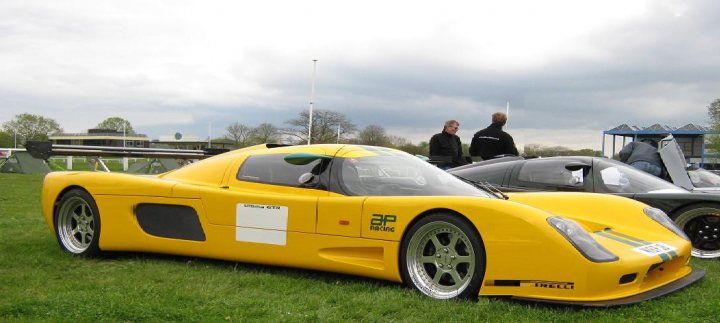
[(331, 232)]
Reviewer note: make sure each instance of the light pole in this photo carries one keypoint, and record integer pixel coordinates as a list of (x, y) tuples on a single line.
[(312, 98)]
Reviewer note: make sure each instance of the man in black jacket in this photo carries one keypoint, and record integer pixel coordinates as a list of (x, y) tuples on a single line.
[(446, 144), (643, 155), (492, 141)]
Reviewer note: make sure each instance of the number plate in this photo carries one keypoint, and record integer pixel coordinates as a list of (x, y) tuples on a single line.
[(654, 249)]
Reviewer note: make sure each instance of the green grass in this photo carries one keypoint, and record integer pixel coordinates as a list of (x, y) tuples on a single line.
[(38, 282)]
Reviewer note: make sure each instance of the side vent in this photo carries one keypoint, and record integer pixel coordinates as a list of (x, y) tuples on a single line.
[(626, 279), (170, 221)]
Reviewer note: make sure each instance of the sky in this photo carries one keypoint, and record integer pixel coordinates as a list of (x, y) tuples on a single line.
[(568, 69)]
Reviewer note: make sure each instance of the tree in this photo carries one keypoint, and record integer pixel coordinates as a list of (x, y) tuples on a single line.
[(537, 150), (373, 135), (239, 134), (423, 148), (397, 141), (31, 127), (714, 114), (6, 139), (265, 133), (324, 127), (116, 123)]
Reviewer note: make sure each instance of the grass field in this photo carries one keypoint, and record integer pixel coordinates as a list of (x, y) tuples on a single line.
[(38, 282)]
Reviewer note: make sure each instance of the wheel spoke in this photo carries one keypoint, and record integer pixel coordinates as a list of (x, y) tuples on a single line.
[(75, 216), (438, 276), (428, 259), (83, 212), (456, 277), (438, 245), (696, 238), (463, 259), (453, 241), (703, 221)]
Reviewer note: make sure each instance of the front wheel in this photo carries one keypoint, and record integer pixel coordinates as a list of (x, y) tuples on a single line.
[(701, 223), (77, 223), (443, 257)]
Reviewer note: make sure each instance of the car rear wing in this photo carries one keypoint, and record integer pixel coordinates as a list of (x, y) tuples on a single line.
[(45, 149)]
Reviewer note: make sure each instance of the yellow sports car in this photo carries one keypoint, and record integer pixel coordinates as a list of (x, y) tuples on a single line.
[(381, 213)]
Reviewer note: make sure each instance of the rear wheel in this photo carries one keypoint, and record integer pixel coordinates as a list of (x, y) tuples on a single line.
[(701, 223), (443, 257), (77, 223)]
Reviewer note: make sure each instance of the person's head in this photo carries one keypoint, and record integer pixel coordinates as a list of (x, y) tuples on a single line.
[(650, 142), (499, 118), (451, 126)]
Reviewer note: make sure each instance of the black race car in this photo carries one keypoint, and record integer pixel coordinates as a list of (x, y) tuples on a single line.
[(697, 213)]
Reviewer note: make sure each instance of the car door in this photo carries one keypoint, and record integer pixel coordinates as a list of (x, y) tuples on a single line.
[(340, 213), (264, 200)]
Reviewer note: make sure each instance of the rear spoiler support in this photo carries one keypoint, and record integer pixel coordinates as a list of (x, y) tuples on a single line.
[(46, 149)]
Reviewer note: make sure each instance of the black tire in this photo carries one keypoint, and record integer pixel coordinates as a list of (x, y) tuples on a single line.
[(77, 223), (701, 223), (442, 256)]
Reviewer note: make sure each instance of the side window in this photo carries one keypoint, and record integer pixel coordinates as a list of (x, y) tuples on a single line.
[(273, 169), (490, 173), (549, 172)]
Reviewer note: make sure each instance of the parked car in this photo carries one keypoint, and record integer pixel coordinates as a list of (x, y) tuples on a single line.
[(379, 213), (697, 213), (703, 179)]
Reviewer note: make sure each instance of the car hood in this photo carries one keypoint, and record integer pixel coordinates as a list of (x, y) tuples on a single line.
[(709, 190), (674, 160)]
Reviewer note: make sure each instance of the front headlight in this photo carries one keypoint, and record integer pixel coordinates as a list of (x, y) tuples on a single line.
[(662, 218), (581, 239)]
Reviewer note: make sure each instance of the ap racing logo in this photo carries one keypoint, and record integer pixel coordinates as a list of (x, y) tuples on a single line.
[(383, 222)]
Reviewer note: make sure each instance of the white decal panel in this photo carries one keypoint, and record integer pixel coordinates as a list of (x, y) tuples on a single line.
[(261, 223), (654, 249)]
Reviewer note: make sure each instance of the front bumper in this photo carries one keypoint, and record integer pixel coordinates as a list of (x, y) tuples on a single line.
[(681, 283)]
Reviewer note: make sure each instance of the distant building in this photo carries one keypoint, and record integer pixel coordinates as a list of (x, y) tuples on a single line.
[(102, 137), (690, 137), (179, 141)]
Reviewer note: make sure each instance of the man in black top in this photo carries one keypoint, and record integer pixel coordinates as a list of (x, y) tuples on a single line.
[(447, 144), (492, 141)]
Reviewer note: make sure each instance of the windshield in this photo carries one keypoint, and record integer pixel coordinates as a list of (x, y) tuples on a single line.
[(400, 175), (616, 177), (703, 178)]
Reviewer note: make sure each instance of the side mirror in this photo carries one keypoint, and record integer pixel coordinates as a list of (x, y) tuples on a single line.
[(576, 166), (303, 158), (306, 178)]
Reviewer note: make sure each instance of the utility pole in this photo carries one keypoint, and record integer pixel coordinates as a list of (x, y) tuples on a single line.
[(312, 98)]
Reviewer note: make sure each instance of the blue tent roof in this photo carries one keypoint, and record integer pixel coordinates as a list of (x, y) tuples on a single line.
[(658, 129)]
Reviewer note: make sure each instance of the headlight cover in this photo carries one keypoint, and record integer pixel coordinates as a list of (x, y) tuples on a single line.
[(581, 240), (662, 218)]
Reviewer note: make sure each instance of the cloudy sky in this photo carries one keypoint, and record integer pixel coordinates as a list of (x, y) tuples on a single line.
[(569, 69)]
